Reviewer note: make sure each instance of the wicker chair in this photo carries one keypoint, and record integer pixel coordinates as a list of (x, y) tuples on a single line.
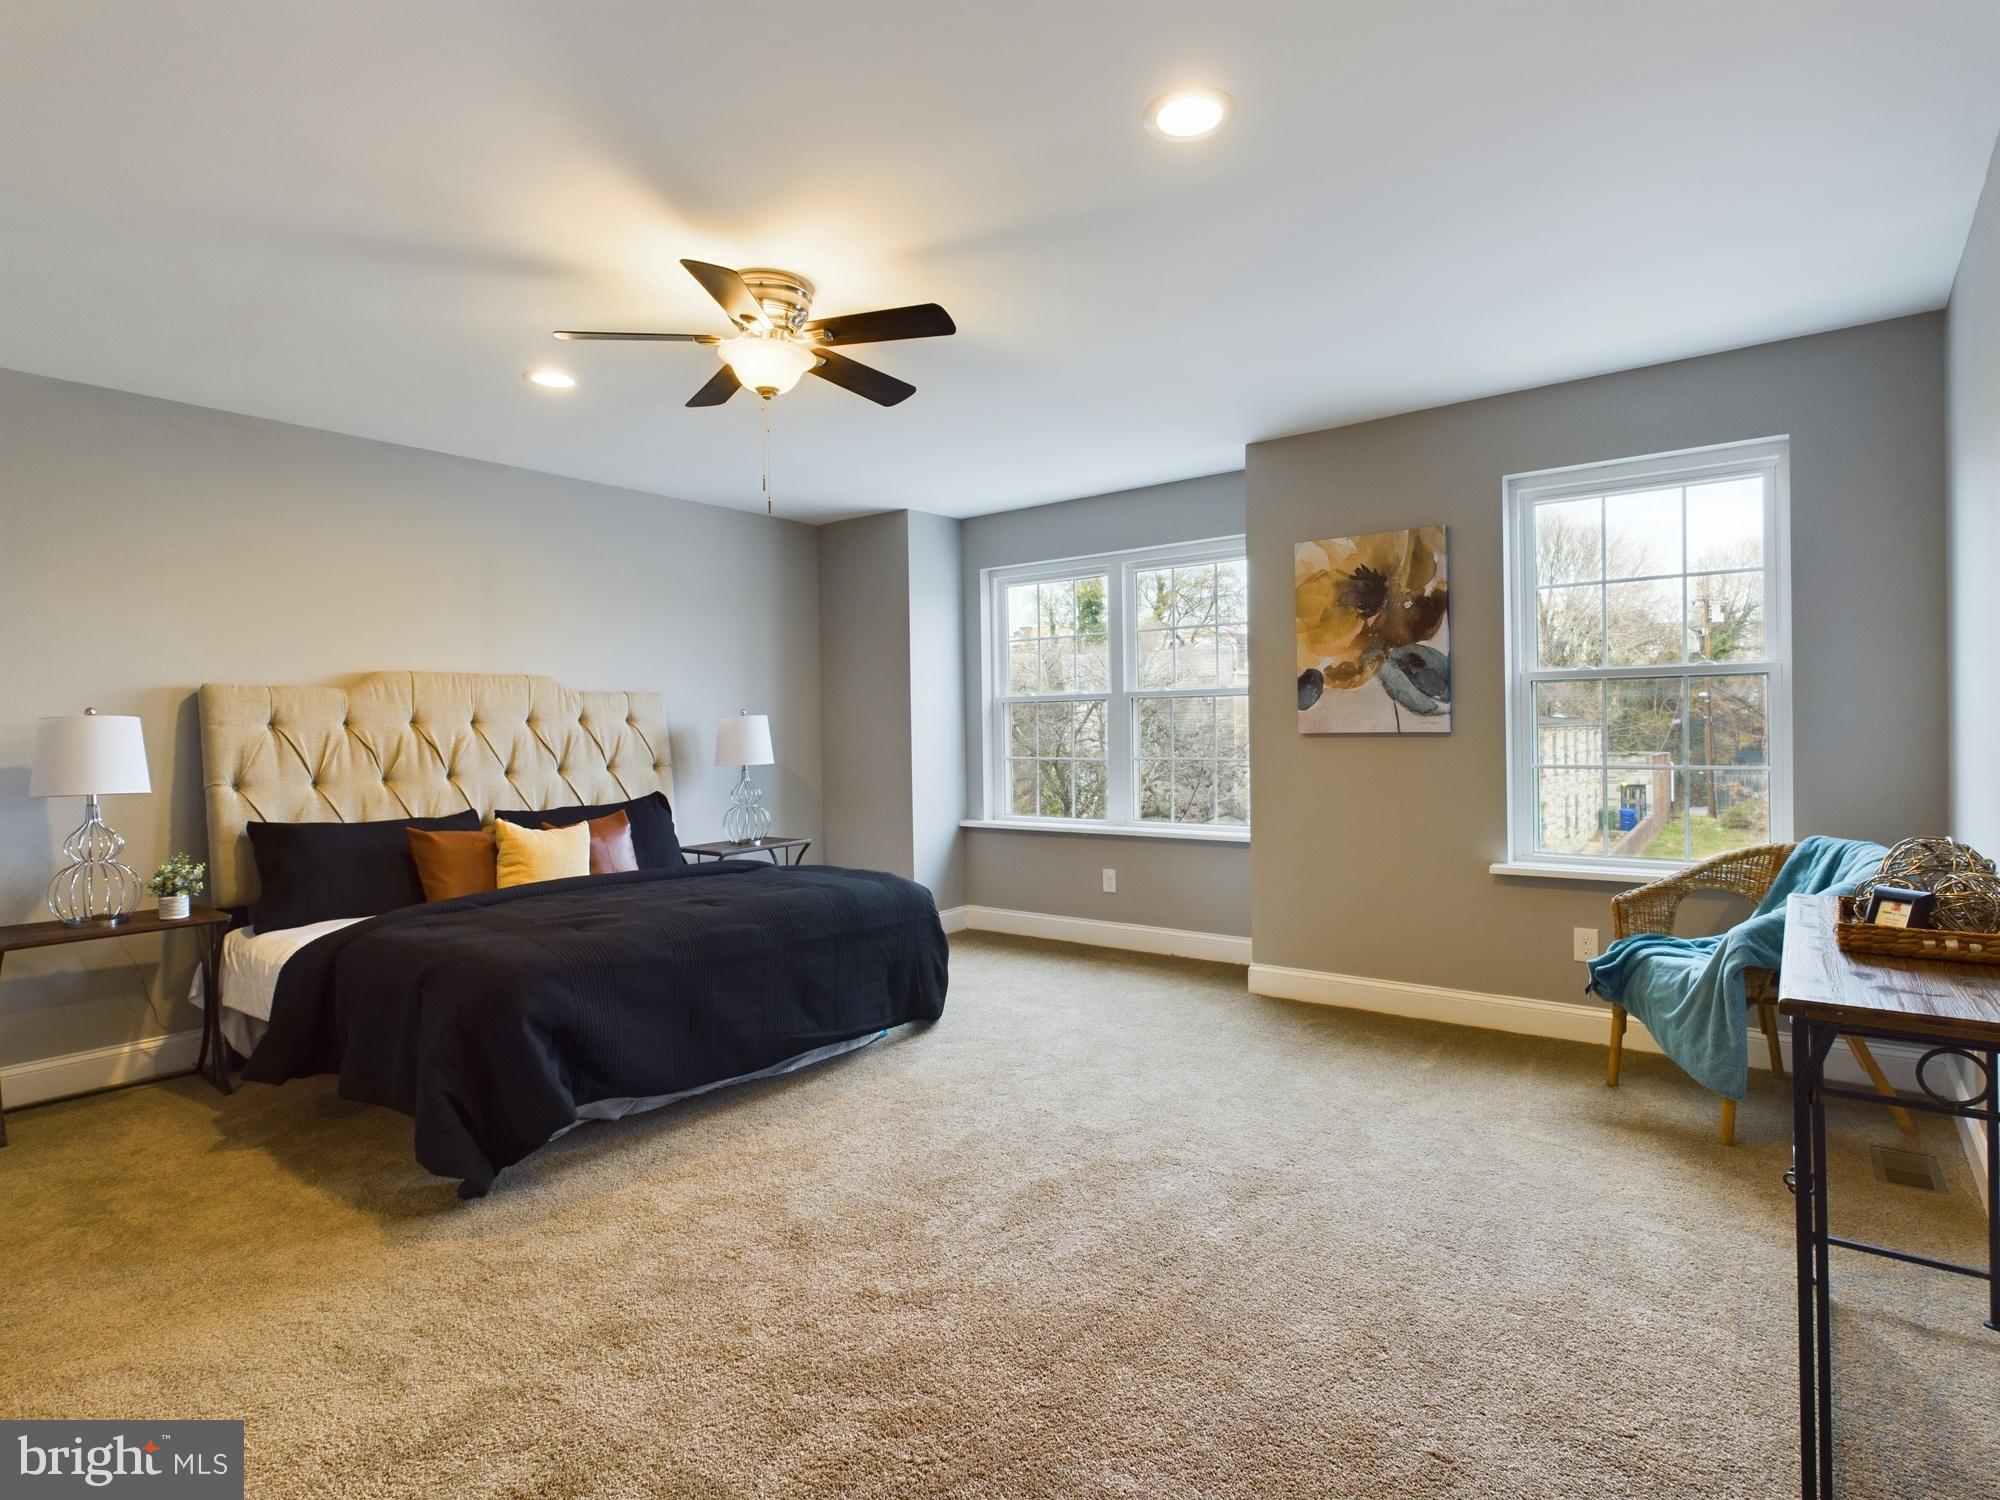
[(1748, 873)]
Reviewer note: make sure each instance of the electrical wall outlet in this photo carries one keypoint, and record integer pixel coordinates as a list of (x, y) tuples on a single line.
[(1583, 944), (1111, 880)]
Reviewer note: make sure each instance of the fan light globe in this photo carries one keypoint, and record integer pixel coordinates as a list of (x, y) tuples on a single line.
[(1187, 114), (770, 367)]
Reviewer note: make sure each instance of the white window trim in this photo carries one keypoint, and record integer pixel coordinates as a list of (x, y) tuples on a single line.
[(1519, 494), (1181, 833), (1121, 795)]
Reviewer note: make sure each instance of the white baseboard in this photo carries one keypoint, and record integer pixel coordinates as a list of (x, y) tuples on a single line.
[(99, 1068), (952, 918), (1216, 947), (1423, 1002), (1589, 1022)]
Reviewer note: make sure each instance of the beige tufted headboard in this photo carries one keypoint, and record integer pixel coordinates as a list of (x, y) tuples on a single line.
[(413, 745)]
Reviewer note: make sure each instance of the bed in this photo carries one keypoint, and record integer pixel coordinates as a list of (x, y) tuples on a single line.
[(500, 1020)]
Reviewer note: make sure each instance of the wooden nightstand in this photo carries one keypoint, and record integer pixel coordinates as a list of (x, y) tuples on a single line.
[(211, 924), (775, 846)]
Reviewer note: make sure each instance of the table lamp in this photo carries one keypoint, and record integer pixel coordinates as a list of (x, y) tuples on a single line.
[(744, 740), (91, 755)]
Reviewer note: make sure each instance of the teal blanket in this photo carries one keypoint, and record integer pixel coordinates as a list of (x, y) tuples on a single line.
[(1689, 991)]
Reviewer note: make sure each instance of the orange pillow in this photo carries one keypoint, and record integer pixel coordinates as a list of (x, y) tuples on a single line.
[(452, 864), (610, 844)]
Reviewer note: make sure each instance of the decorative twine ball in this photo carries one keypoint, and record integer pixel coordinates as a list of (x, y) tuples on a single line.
[(1967, 901), (1945, 868), (1919, 861)]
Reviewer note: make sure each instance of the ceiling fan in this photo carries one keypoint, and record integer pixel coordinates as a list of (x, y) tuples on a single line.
[(777, 341)]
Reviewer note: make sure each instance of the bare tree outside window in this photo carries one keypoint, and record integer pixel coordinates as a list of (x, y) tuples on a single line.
[(1057, 644), (1123, 692), (1193, 751)]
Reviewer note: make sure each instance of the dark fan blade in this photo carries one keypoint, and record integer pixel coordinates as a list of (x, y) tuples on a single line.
[(863, 380), (726, 287), (926, 320), (654, 338), (721, 386)]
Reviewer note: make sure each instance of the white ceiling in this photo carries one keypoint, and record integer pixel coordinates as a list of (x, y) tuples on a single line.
[(367, 216)]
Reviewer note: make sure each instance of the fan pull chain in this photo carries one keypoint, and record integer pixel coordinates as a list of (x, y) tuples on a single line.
[(769, 509)]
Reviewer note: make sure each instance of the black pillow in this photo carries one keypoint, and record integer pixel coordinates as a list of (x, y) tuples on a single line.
[(315, 872), (654, 843)]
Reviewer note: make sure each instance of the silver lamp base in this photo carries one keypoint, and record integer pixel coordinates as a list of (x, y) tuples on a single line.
[(93, 886), (747, 819)]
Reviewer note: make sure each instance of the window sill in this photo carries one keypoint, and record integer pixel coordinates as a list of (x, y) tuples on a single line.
[(1110, 830), (1618, 875)]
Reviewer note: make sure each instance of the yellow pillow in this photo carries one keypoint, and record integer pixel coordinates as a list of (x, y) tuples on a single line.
[(525, 855)]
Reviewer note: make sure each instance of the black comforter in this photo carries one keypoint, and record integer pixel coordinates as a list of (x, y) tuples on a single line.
[(492, 1018)]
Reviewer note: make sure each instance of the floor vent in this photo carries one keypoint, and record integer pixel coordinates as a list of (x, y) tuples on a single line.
[(1910, 1169)]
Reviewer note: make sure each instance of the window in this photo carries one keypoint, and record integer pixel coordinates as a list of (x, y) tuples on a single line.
[(1120, 690), (1648, 706)]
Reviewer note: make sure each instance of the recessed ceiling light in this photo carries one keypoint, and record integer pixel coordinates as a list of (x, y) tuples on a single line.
[(1187, 114), (553, 380)]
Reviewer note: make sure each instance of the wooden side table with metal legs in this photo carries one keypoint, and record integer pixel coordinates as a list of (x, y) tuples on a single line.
[(208, 923), (1952, 1011)]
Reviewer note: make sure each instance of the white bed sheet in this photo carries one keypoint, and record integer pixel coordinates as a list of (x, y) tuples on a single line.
[(250, 964)]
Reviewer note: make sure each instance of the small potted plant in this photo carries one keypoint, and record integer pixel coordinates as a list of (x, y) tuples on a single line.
[(175, 881)]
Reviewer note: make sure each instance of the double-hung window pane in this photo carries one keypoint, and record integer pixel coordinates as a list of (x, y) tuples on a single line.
[(1057, 697), (1122, 689), (1647, 681), (1191, 740), (1191, 626), (1055, 759)]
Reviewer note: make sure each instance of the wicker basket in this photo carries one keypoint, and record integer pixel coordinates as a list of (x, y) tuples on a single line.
[(1938, 943)]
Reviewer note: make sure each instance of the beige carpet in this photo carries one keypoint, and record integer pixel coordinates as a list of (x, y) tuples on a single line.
[(1111, 1227)]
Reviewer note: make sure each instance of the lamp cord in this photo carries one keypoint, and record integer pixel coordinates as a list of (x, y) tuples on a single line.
[(146, 988)]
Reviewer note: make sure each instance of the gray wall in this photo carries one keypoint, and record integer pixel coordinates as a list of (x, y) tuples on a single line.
[(231, 549), (1161, 882), (1199, 887), (1973, 344), (892, 695), (937, 687), (1371, 854), (864, 650)]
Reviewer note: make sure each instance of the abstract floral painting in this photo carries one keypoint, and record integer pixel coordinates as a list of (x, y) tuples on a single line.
[(1374, 633)]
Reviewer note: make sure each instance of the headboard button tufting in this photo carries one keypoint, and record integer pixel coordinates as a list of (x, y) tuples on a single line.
[(558, 746)]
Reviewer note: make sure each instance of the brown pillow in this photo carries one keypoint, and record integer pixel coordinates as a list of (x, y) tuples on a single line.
[(453, 864), (610, 844)]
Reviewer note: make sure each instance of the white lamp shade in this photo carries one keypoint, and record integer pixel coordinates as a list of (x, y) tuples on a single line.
[(766, 366), (89, 755), (743, 740)]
